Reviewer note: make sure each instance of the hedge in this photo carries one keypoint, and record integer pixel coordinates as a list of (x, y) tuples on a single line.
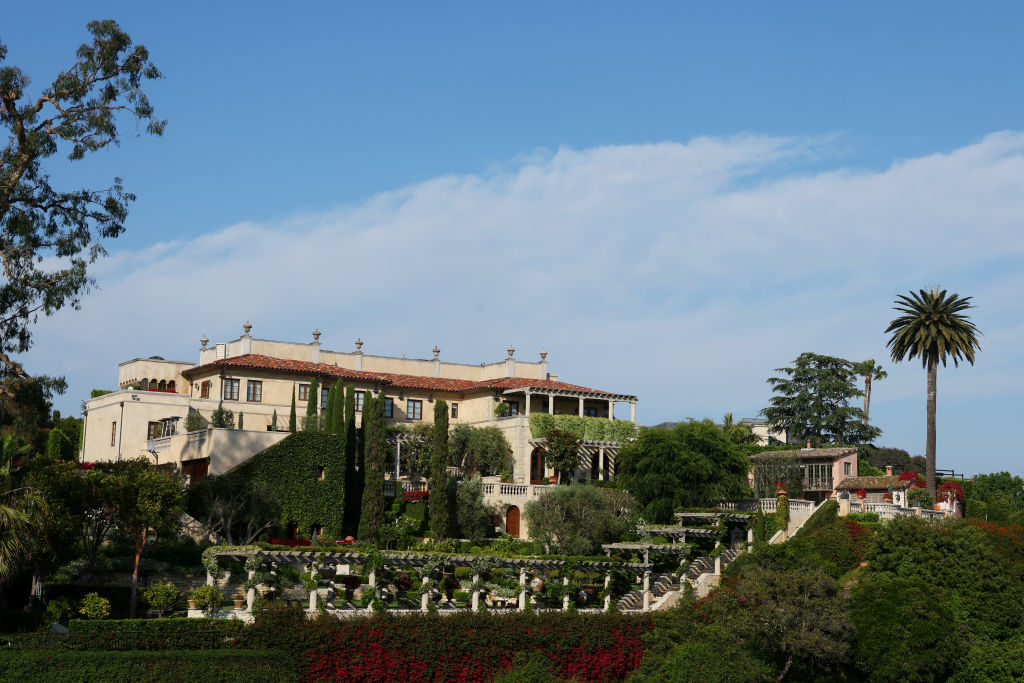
[(289, 468), (458, 647), (152, 667), (587, 428), (826, 513), (154, 634)]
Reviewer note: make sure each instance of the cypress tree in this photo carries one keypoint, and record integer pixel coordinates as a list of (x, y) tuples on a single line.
[(439, 472), (311, 423), (375, 445), (291, 416), (353, 485), (329, 411), (273, 421)]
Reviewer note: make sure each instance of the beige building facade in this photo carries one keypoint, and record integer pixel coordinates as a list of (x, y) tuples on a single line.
[(257, 378)]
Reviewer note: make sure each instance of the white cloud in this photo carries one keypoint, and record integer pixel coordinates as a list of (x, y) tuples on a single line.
[(683, 273)]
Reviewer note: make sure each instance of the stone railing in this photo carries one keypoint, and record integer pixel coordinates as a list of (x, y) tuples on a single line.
[(162, 444), (888, 510), (515, 494), (389, 486)]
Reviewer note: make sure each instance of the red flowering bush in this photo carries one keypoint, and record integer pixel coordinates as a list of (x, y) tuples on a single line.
[(416, 496), (862, 494), (1013, 533), (291, 542), (951, 491), (461, 647), (918, 480)]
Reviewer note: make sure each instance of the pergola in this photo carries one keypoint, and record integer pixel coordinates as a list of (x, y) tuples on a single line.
[(340, 560), (552, 394), (605, 451)]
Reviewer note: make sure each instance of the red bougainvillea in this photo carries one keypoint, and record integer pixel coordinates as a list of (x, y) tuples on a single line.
[(918, 480), (416, 496), (951, 491)]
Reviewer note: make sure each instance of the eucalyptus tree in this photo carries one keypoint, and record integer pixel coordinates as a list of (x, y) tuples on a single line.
[(932, 326), (50, 237)]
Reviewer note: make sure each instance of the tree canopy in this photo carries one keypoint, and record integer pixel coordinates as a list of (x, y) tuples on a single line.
[(687, 466), (812, 402), (577, 519), (49, 237)]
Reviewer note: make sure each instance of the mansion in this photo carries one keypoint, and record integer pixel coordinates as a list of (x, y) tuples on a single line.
[(257, 378)]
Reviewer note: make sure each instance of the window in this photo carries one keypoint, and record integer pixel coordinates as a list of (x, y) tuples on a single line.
[(204, 389), (303, 392), (152, 429), (230, 390), (414, 409), (389, 408), (846, 468), (359, 400), (589, 412), (113, 433), (254, 391), (455, 410), (513, 407), (323, 398)]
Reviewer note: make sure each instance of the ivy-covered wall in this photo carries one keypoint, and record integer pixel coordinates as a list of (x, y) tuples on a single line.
[(586, 428), (291, 469)]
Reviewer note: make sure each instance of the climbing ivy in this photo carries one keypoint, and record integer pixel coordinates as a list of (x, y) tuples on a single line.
[(290, 469), (585, 428)]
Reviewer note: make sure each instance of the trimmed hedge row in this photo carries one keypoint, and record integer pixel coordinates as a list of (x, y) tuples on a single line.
[(460, 647), (143, 634), (245, 666)]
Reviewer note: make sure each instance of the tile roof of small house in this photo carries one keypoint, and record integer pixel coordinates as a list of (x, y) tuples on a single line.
[(882, 483), (260, 362), (812, 453)]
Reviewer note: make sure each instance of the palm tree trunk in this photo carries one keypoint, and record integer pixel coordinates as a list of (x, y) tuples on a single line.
[(867, 397), (929, 449)]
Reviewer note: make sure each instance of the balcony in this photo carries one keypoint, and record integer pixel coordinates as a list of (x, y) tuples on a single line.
[(818, 484)]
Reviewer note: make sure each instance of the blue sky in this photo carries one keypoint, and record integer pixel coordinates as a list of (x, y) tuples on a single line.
[(674, 200)]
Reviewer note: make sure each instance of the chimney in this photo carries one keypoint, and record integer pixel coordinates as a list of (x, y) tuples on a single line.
[(316, 345), (510, 362), (808, 444), (888, 470)]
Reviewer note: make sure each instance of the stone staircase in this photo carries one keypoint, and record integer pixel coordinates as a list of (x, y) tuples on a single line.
[(662, 584)]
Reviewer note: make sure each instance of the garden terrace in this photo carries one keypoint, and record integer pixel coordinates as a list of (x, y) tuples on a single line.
[(713, 517)]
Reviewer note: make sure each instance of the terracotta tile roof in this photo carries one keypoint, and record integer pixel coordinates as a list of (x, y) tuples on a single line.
[(260, 362), (812, 453), (873, 483)]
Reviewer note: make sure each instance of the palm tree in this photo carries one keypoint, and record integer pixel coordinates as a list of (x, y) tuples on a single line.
[(22, 517), (932, 326), (869, 370)]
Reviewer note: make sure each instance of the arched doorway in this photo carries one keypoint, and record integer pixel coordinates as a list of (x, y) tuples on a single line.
[(512, 522), (537, 466)]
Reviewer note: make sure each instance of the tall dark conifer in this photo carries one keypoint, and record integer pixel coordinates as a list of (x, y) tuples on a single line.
[(329, 411), (291, 416), (311, 423), (439, 517), (375, 446), (353, 485)]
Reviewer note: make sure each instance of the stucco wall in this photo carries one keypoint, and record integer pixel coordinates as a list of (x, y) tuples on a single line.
[(139, 409)]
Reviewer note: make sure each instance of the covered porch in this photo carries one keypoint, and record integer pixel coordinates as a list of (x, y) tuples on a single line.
[(534, 399)]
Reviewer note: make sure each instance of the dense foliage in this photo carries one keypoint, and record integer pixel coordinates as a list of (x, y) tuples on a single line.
[(289, 470), (585, 428), (690, 465), (779, 467), (577, 519), (479, 450), (811, 402), (375, 449), (243, 666), (439, 518)]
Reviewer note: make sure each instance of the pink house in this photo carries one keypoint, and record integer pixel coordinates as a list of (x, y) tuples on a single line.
[(823, 469)]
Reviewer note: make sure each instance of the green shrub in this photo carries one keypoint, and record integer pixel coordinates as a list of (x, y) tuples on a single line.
[(160, 597), (919, 498), (95, 607), (152, 667), (586, 428), (153, 634), (863, 517), (826, 513), (207, 598)]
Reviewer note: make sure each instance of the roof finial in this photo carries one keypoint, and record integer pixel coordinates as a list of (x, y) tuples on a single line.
[(543, 354), (437, 351), (316, 335), (204, 341), (247, 326), (359, 345), (511, 350)]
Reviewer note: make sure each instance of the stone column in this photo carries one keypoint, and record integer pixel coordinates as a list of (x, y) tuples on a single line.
[(581, 406), (372, 579), (647, 590), (313, 596), (600, 464), (527, 395), (632, 412), (209, 579), (718, 566), (551, 404), (425, 598), (750, 535), (522, 590), (611, 410), (476, 594), (565, 596), (607, 598)]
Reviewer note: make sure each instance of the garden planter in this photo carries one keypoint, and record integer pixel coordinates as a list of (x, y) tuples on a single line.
[(191, 604), (239, 603)]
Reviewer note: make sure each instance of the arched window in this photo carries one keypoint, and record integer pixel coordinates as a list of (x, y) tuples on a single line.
[(152, 385), (170, 386), (163, 385)]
